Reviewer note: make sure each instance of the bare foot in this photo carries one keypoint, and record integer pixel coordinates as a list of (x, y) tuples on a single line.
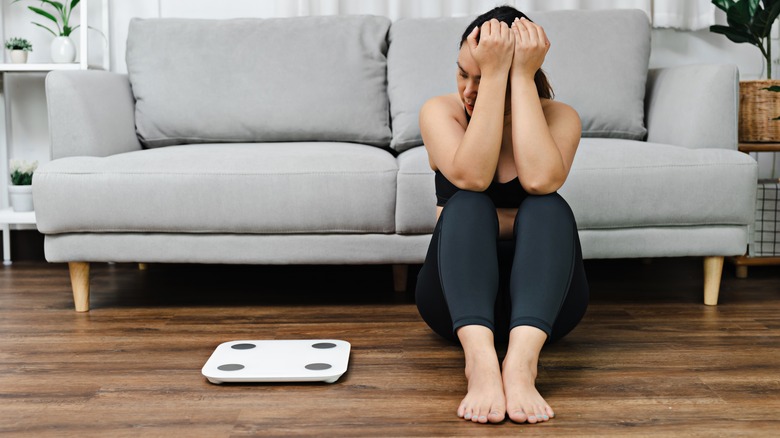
[(524, 403), (485, 401)]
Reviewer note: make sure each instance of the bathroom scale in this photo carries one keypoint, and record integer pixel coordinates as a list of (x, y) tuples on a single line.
[(306, 360)]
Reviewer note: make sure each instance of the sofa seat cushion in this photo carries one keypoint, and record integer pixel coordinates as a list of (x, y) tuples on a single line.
[(268, 188), (617, 183)]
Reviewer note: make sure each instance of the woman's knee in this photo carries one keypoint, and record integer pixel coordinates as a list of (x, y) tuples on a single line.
[(476, 206), (469, 199), (548, 206)]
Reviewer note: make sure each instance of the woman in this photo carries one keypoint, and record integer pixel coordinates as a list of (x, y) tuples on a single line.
[(504, 261)]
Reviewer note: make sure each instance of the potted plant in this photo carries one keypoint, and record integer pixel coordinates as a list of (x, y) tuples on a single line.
[(20, 190), (63, 50), (750, 21), (19, 48)]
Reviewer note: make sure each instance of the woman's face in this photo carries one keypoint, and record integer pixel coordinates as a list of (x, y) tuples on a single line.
[(468, 78)]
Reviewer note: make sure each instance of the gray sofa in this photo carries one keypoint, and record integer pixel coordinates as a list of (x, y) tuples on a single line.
[(295, 141)]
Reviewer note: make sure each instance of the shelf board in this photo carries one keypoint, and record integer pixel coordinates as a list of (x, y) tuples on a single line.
[(9, 216), (33, 68), (755, 261), (759, 147)]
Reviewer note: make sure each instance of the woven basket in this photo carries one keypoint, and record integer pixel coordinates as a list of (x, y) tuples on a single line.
[(757, 108)]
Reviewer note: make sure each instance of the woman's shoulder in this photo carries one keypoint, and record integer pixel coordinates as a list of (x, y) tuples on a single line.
[(445, 104), (558, 109)]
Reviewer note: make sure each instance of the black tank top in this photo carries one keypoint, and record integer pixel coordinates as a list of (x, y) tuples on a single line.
[(504, 195)]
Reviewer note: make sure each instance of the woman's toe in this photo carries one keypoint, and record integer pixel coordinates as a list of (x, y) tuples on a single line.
[(495, 416), (518, 416)]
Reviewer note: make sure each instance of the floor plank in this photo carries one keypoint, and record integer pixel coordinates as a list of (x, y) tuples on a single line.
[(648, 359)]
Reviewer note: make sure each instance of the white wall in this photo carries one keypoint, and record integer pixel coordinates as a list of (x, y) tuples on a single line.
[(669, 47)]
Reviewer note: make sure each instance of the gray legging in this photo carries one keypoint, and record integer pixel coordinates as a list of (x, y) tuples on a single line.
[(471, 277)]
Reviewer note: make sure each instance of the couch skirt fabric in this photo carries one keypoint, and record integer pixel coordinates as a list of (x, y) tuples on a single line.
[(322, 249)]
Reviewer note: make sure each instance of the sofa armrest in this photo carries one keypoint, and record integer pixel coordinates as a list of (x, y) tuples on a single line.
[(695, 106), (91, 113)]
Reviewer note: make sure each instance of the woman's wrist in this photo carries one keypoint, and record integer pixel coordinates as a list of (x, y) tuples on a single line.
[(522, 84), (496, 72), (521, 77)]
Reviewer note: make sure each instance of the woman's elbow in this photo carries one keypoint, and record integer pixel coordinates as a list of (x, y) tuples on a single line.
[(542, 186), (471, 183)]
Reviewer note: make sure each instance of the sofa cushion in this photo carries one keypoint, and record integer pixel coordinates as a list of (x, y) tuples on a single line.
[(617, 183), (415, 210), (597, 63), (270, 188), (420, 65), (260, 80)]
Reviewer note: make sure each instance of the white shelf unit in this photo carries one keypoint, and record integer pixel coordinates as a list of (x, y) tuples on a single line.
[(8, 217)]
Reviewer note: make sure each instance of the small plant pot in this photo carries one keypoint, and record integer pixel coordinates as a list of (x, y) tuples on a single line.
[(21, 198), (63, 50), (19, 56)]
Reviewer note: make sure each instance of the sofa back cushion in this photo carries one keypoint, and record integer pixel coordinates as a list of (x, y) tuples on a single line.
[(597, 63), (260, 80)]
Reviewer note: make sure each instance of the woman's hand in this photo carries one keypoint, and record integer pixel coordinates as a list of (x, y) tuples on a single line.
[(531, 46), (493, 54)]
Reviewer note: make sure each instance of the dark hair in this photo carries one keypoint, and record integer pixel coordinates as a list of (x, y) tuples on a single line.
[(507, 14)]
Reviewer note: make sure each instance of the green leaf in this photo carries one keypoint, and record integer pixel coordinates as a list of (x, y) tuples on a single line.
[(740, 14), (775, 88), (769, 3), (771, 15), (753, 5), (738, 36), (764, 19), (73, 4), (21, 179), (52, 32), (57, 5), (757, 25), (723, 5), (44, 13)]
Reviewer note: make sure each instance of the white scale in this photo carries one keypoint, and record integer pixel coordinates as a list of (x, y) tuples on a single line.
[(307, 360)]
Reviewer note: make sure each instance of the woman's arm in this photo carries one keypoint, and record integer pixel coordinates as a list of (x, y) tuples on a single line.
[(468, 156), (544, 138)]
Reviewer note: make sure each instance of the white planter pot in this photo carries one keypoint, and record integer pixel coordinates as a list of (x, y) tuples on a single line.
[(63, 50), (21, 197), (19, 56)]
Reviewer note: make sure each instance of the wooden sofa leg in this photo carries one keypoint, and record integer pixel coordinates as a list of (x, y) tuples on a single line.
[(400, 274), (713, 268), (79, 281)]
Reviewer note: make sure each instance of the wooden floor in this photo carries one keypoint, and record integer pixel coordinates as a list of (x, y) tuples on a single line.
[(648, 359)]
